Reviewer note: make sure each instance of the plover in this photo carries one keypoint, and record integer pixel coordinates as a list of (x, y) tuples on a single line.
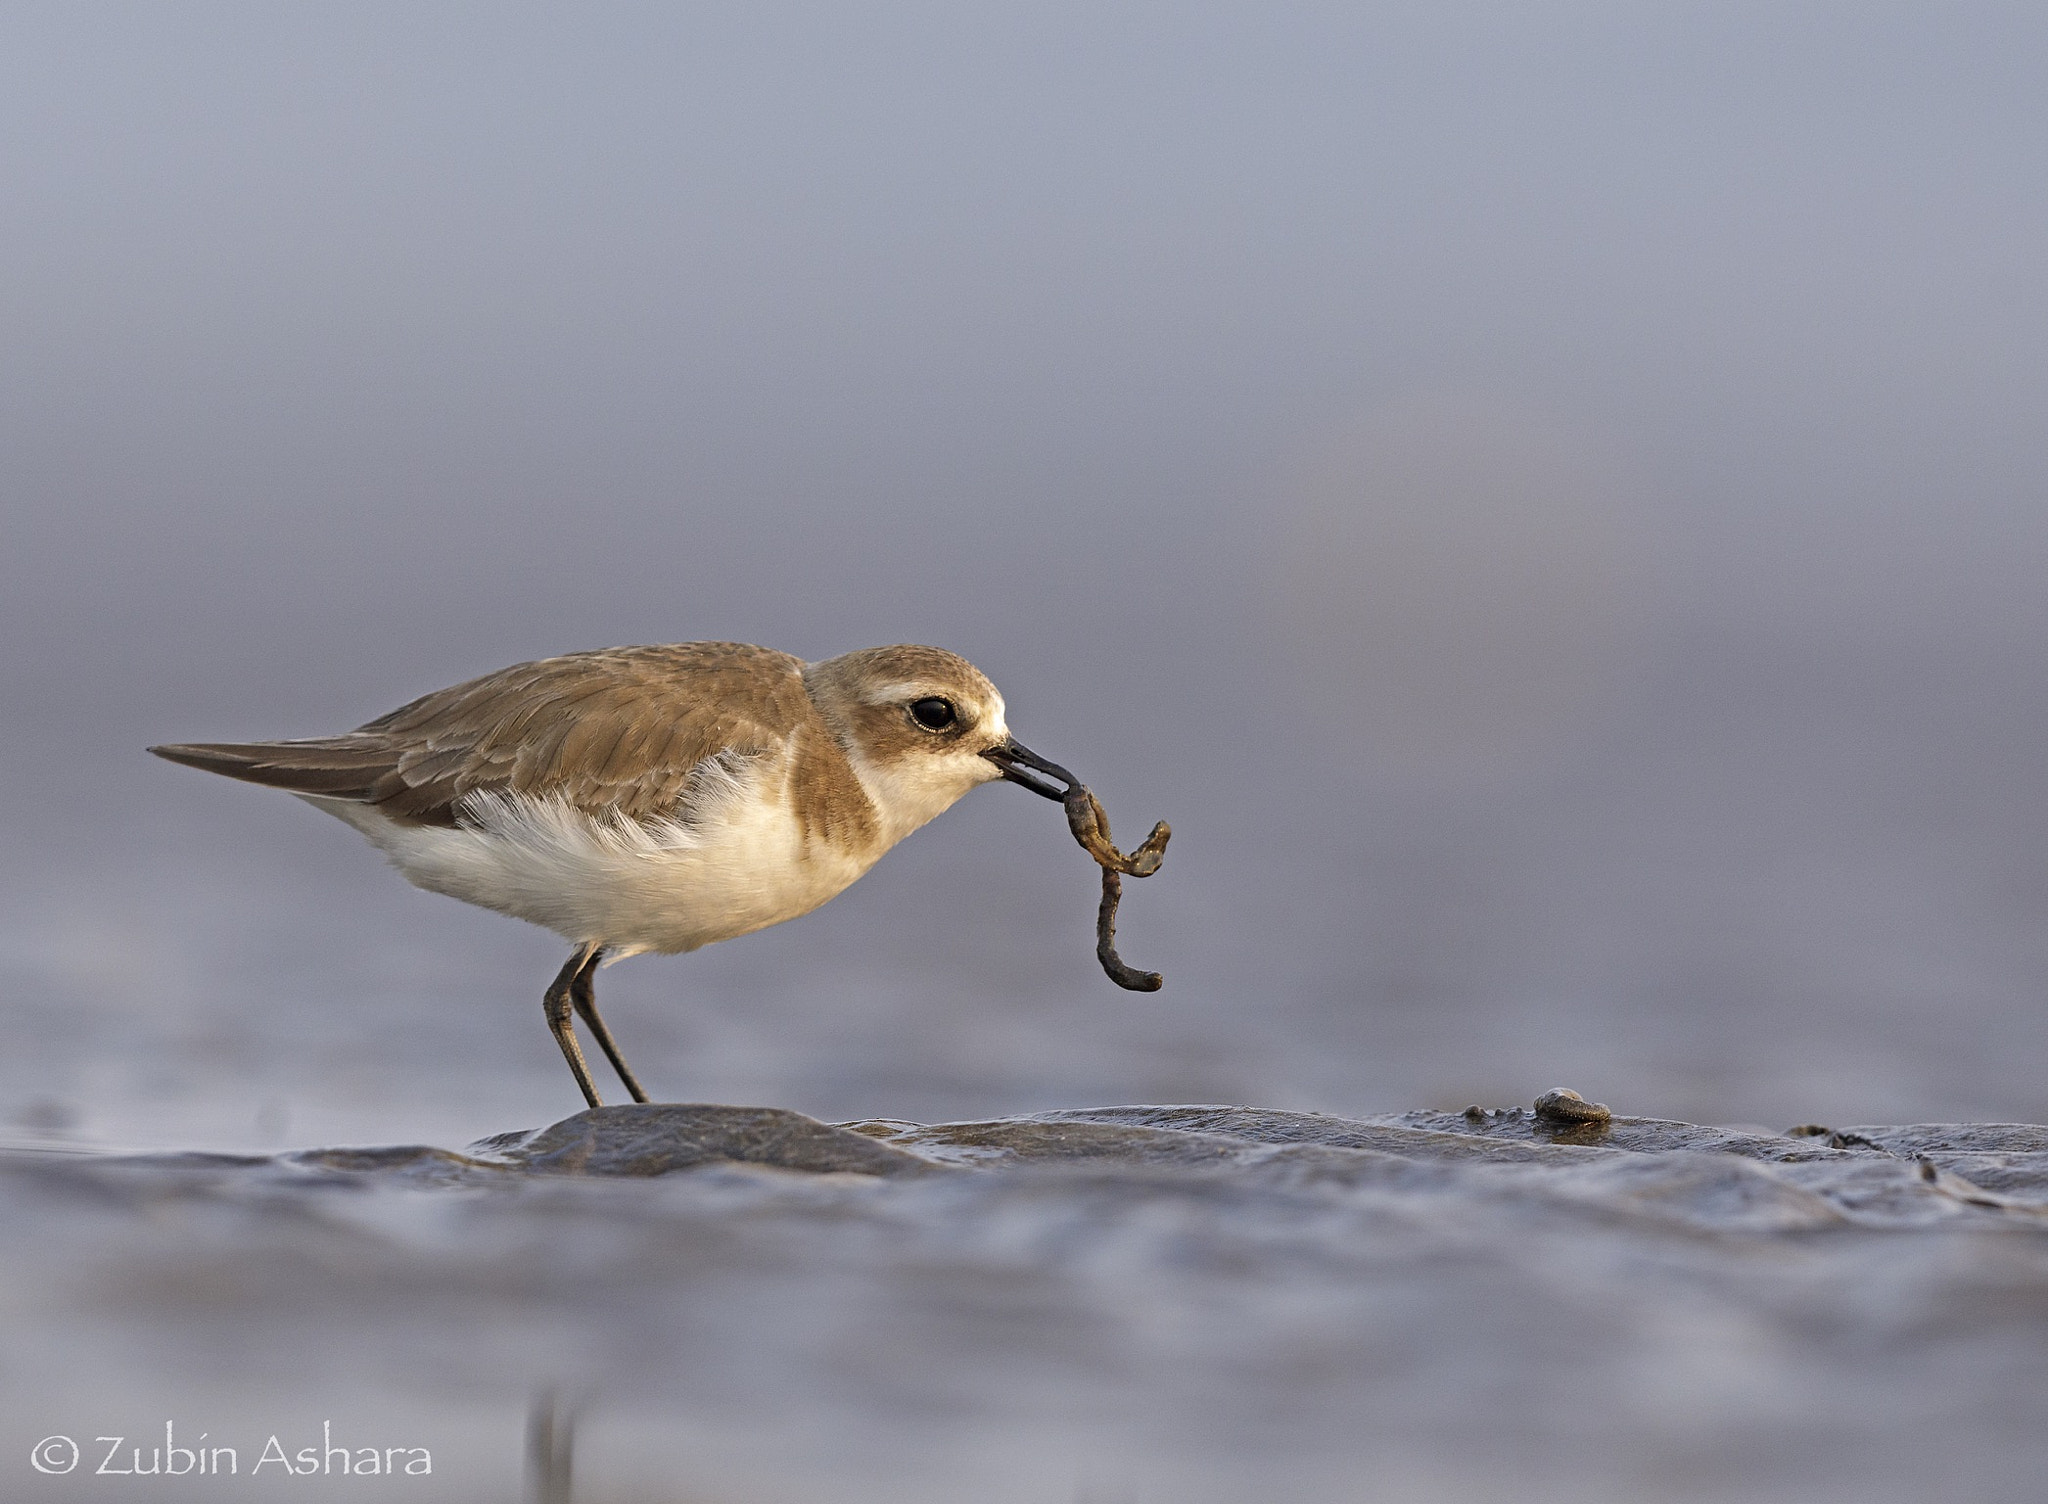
[(653, 798)]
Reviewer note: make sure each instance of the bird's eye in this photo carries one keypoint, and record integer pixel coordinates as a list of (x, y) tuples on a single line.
[(934, 714)]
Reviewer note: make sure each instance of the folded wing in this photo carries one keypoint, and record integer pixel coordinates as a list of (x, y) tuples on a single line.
[(622, 732)]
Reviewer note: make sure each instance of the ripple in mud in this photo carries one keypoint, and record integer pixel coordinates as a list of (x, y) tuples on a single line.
[(660, 1139)]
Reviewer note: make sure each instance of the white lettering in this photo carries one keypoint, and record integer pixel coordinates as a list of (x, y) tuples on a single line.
[(172, 1452), (178, 1459)]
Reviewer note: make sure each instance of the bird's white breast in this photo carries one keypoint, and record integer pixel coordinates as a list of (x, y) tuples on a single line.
[(737, 863)]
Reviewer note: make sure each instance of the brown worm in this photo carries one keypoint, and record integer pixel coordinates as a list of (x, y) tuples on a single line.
[(1090, 825)]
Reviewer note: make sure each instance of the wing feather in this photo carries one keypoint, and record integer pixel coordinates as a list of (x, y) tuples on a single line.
[(616, 733)]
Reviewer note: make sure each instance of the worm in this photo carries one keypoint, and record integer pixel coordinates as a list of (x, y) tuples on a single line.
[(1090, 826)]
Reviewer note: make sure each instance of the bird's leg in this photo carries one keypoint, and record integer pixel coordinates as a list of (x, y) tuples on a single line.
[(583, 991), (559, 1004)]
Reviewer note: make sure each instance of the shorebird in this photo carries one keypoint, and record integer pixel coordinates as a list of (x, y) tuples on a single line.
[(653, 798)]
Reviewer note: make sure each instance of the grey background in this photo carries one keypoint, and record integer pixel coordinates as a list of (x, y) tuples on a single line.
[(1548, 501)]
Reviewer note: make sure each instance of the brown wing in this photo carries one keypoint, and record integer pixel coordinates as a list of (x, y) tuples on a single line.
[(613, 732)]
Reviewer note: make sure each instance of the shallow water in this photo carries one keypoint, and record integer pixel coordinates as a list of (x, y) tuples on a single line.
[(1130, 1303)]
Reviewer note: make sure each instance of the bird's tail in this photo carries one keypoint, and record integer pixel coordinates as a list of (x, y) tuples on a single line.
[(339, 767)]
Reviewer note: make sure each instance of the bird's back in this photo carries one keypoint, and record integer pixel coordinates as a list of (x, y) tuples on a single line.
[(617, 733)]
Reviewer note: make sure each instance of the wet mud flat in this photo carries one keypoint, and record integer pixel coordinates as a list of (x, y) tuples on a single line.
[(1177, 1303)]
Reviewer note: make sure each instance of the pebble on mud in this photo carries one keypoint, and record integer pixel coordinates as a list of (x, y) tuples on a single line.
[(1563, 1105)]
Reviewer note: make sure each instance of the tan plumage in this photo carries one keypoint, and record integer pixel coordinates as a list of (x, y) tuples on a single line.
[(619, 733)]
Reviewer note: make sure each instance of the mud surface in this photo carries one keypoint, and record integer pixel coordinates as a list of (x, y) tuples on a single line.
[(1129, 1303)]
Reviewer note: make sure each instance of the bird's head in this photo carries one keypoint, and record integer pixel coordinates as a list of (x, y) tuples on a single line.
[(921, 726)]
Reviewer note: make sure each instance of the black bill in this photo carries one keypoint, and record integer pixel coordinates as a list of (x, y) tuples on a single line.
[(1022, 765)]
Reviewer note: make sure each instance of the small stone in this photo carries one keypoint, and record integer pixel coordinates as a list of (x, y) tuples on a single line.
[(1564, 1105)]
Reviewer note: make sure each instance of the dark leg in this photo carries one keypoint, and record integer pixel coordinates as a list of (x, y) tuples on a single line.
[(583, 992), (559, 1004)]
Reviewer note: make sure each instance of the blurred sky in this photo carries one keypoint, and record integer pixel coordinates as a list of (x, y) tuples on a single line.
[(1548, 501)]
